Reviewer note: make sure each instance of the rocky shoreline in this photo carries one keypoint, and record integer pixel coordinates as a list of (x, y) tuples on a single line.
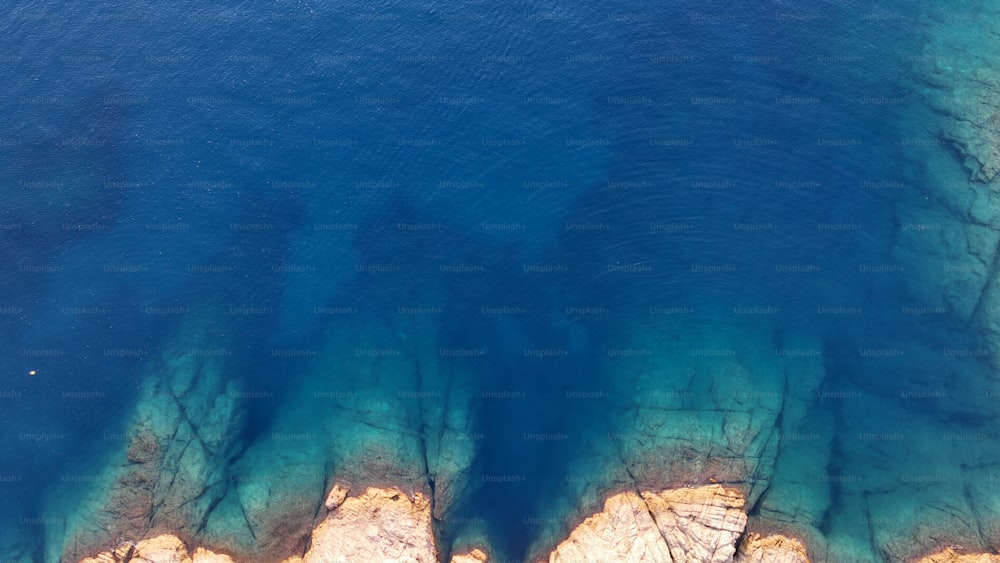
[(387, 524), (704, 524), (724, 458)]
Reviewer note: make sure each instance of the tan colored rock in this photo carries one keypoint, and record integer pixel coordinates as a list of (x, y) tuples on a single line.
[(949, 555), (385, 524), (692, 524), (379, 525), (162, 549), (699, 524), (475, 556), (771, 549), (624, 531), (105, 557), (336, 497), (165, 548), (202, 555)]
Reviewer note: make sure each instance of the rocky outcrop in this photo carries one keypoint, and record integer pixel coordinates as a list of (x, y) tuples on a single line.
[(164, 548), (624, 531), (771, 549), (949, 555), (475, 556), (389, 524), (377, 525), (690, 524), (699, 524)]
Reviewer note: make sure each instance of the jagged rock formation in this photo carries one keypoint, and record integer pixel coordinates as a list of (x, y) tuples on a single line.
[(699, 524), (723, 405), (164, 548), (387, 524), (704, 524), (771, 549), (624, 531), (949, 555), (691, 524), (378, 525)]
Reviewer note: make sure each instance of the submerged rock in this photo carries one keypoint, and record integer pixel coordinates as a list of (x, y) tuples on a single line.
[(710, 403), (172, 471), (703, 524), (383, 410), (697, 403), (961, 84), (700, 524)]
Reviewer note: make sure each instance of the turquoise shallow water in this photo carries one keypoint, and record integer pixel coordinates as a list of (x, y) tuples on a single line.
[(523, 248)]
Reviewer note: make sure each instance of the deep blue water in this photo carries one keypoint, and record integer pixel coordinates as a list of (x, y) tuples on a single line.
[(162, 161)]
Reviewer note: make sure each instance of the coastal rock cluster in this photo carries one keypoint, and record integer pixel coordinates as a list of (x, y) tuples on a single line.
[(949, 555), (380, 524), (186, 468), (702, 524), (164, 548), (361, 484)]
